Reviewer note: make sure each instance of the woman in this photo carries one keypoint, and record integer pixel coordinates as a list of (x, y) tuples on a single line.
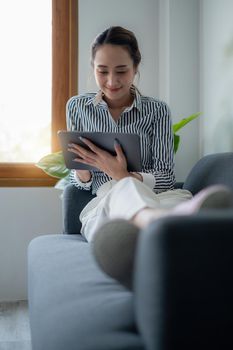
[(119, 107)]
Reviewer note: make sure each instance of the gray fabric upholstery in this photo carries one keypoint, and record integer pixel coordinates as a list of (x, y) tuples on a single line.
[(73, 304), (114, 248), (73, 202), (182, 293), (184, 284), (210, 170)]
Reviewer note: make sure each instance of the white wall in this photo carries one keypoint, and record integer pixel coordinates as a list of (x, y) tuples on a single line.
[(25, 213), (179, 65), (184, 67), (217, 75)]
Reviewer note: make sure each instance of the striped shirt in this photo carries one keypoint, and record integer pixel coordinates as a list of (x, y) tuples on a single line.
[(147, 117)]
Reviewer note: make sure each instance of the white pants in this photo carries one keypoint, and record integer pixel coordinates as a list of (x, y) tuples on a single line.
[(123, 199)]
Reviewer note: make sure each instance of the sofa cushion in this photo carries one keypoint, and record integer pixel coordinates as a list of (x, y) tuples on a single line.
[(72, 303)]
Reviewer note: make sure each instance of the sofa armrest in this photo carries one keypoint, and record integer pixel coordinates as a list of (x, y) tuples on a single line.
[(210, 170), (183, 282), (73, 201)]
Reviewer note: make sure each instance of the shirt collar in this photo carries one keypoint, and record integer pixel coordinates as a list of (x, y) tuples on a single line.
[(97, 99)]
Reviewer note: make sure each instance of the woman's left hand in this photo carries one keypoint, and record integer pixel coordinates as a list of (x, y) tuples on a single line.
[(114, 166)]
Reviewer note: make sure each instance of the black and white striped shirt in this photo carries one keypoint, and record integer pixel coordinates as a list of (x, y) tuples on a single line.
[(147, 117)]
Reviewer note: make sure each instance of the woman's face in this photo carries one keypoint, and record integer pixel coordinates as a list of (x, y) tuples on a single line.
[(114, 72)]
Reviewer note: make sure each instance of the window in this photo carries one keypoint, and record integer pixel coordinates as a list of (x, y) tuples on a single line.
[(45, 67)]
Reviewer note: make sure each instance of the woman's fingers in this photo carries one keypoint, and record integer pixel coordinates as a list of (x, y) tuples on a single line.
[(93, 148), (118, 149), (88, 161), (91, 145), (85, 156), (100, 158), (80, 151)]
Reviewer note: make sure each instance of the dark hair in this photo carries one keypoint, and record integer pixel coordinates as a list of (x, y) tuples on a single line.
[(118, 36)]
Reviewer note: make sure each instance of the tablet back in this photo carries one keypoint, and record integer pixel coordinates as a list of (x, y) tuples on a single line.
[(130, 144)]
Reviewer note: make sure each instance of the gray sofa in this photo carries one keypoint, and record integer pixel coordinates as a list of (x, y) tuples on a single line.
[(183, 281)]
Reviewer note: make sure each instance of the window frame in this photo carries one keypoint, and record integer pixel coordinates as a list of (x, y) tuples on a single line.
[(64, 85)]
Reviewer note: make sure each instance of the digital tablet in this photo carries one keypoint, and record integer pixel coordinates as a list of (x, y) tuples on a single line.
[(130, 144)]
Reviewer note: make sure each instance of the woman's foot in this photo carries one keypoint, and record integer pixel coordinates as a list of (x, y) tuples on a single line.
[(212, 197), (114, 247)]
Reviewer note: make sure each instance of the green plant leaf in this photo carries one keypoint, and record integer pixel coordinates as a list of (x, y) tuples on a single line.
[(53, 164), (184, 121), (62, 183), (176, 142)]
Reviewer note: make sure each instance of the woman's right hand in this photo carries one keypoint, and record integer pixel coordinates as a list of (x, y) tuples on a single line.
[(83, 175)]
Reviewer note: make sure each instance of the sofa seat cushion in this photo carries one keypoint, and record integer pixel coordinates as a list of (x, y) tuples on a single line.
[(72, 303)]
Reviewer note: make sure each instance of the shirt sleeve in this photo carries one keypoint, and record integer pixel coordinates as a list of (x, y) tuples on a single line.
[(162, 165), (74, 179), (73, 123)]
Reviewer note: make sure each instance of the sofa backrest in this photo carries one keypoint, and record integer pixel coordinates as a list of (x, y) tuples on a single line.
[(73, 201), (209, 170)]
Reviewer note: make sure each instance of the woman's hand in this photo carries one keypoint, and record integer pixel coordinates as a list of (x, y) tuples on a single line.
[(83, 175), (114, 166)]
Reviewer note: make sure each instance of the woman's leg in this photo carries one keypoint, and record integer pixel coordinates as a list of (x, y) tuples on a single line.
[(129, 196), (123, 201), (115, 242), (213, 197)]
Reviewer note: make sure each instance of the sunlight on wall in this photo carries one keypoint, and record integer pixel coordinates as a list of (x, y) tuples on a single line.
[(25, 80)]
